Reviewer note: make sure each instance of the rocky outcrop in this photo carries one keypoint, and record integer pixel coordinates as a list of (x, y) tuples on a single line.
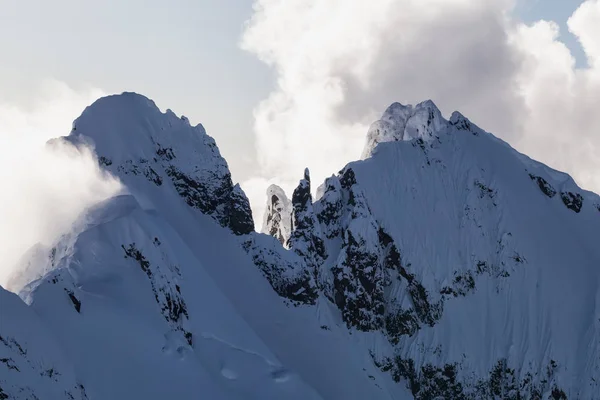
[(278, 215), (544, 186), (406, 122), (32, 364), (165, 287), (365, 264), (359, 274), (573, 201), (287, 273), (238, 212), (331, 207), (292, 274), (305, 238), (462, 123), (500, 382)]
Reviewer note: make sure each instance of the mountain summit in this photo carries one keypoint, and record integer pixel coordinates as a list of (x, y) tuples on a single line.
[(460, 260), (135, 141), (443, 265), (400, 122)]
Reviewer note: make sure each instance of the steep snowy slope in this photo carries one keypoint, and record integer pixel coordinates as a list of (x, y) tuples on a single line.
[(134, 139), (476, 265), (444, 265), (32, 364), (153, 296)]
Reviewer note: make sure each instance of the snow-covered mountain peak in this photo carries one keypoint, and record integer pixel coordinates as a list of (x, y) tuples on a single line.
[(149, 150), (405, 122), (129, 125), (445, 265), (467, 257)]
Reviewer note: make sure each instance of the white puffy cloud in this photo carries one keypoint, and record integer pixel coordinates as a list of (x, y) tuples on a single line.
[(585, 24), (561, 126), (339, 63), (44, 188)]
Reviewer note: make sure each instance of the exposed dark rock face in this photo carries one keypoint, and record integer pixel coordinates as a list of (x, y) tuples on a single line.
[(9, 363), (359, 274), (74, 300), (167, 293), (20, 362), (461, 123), (462, 285), (305, 238), (354, 278), (370, 261), (226, 203), (359, 284), (136, 141), (288, 275), (292, 274), (332, 208), (401, 323), (573, 201), (238, 212), (430, 382), (486, 191), (544, 186)]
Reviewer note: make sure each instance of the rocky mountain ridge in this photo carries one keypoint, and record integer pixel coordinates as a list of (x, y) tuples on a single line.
[(443, 265), (379, 265)]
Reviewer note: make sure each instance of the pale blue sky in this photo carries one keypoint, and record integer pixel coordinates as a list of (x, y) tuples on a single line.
[(182, 53)]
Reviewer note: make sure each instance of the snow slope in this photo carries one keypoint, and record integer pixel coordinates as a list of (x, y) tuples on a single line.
[(444, 265), (154, 294), (32, 363), (470, 206), (477, 264)]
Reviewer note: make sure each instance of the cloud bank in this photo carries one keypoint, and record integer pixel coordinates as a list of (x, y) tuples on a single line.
[(44, 187), (340, 63)]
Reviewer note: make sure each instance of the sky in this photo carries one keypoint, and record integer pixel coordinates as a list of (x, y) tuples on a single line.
[(183, 54), (530, 11), (287, 84)]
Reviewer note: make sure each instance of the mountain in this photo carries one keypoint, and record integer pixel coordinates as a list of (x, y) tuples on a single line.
[(443, 265), (470, 270), (153, 295)]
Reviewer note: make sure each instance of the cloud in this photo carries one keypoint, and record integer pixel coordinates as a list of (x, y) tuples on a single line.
[(562, 125), (584, 24), (339, 63), (44, 187)]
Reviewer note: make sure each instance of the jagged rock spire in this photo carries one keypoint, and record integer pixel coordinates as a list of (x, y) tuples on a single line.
[(305, 238), (277, 220), (238, 212)]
